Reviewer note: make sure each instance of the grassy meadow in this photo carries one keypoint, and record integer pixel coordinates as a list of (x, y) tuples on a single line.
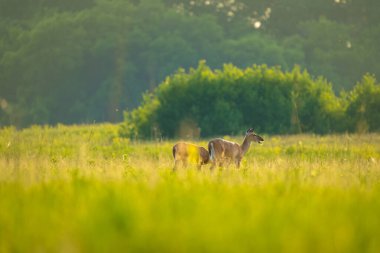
[(84, 189)]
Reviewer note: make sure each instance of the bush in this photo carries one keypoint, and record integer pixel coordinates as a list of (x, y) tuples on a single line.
[(364, 106), (205, 102)]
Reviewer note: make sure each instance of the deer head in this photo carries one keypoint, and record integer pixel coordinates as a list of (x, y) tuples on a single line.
[(252, 136)]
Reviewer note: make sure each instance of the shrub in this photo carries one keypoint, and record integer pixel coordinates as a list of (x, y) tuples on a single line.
[(364, 106), (204, 102)]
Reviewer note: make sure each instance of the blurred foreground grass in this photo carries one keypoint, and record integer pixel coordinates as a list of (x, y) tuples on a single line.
[(84, 189)]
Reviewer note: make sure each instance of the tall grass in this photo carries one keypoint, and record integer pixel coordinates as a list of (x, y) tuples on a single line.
[(84, 189)]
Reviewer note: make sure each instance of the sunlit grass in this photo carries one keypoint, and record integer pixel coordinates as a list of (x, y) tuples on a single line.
[(84, 189)]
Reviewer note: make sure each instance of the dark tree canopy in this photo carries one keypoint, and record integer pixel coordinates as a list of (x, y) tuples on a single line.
[(88, 61)]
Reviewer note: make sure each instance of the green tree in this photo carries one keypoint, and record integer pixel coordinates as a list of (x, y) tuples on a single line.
[(219, 102), (364, 105), (331, 51), (84, 61), (258, 48)]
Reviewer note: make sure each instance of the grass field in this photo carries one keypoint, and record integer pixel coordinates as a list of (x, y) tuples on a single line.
[(84, 189)]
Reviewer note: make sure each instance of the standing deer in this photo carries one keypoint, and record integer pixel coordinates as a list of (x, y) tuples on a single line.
[(187, 152), (222, 151)]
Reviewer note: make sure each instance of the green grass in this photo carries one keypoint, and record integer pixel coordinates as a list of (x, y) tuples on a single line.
[(84, 189)]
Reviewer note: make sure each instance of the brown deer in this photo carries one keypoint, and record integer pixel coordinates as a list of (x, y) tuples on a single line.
[(187, 152), (222, 151)]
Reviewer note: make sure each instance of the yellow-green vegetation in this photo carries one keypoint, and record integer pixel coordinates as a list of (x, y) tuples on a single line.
[(84, 189)]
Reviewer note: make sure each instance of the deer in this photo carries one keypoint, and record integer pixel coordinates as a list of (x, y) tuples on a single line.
[(187, 152), (222, 151)]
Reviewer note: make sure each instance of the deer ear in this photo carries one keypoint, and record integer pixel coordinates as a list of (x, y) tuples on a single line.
[(250, 130)]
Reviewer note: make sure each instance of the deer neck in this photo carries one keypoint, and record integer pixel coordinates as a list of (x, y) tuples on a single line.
[(245, 145)]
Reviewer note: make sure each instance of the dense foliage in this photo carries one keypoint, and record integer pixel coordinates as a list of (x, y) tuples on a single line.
[(206, 102), (83, 61)]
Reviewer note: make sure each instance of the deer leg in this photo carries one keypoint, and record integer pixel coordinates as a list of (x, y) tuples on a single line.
[(237, 164), (223, 162), (184, 163), (213, 164), (228, 162), (176, 164), (199, 163)]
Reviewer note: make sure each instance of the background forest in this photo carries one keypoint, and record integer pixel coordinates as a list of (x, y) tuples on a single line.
[(88, 61)]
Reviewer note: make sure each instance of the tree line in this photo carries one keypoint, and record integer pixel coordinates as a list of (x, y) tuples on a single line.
[(87, 61), (204, 102)]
